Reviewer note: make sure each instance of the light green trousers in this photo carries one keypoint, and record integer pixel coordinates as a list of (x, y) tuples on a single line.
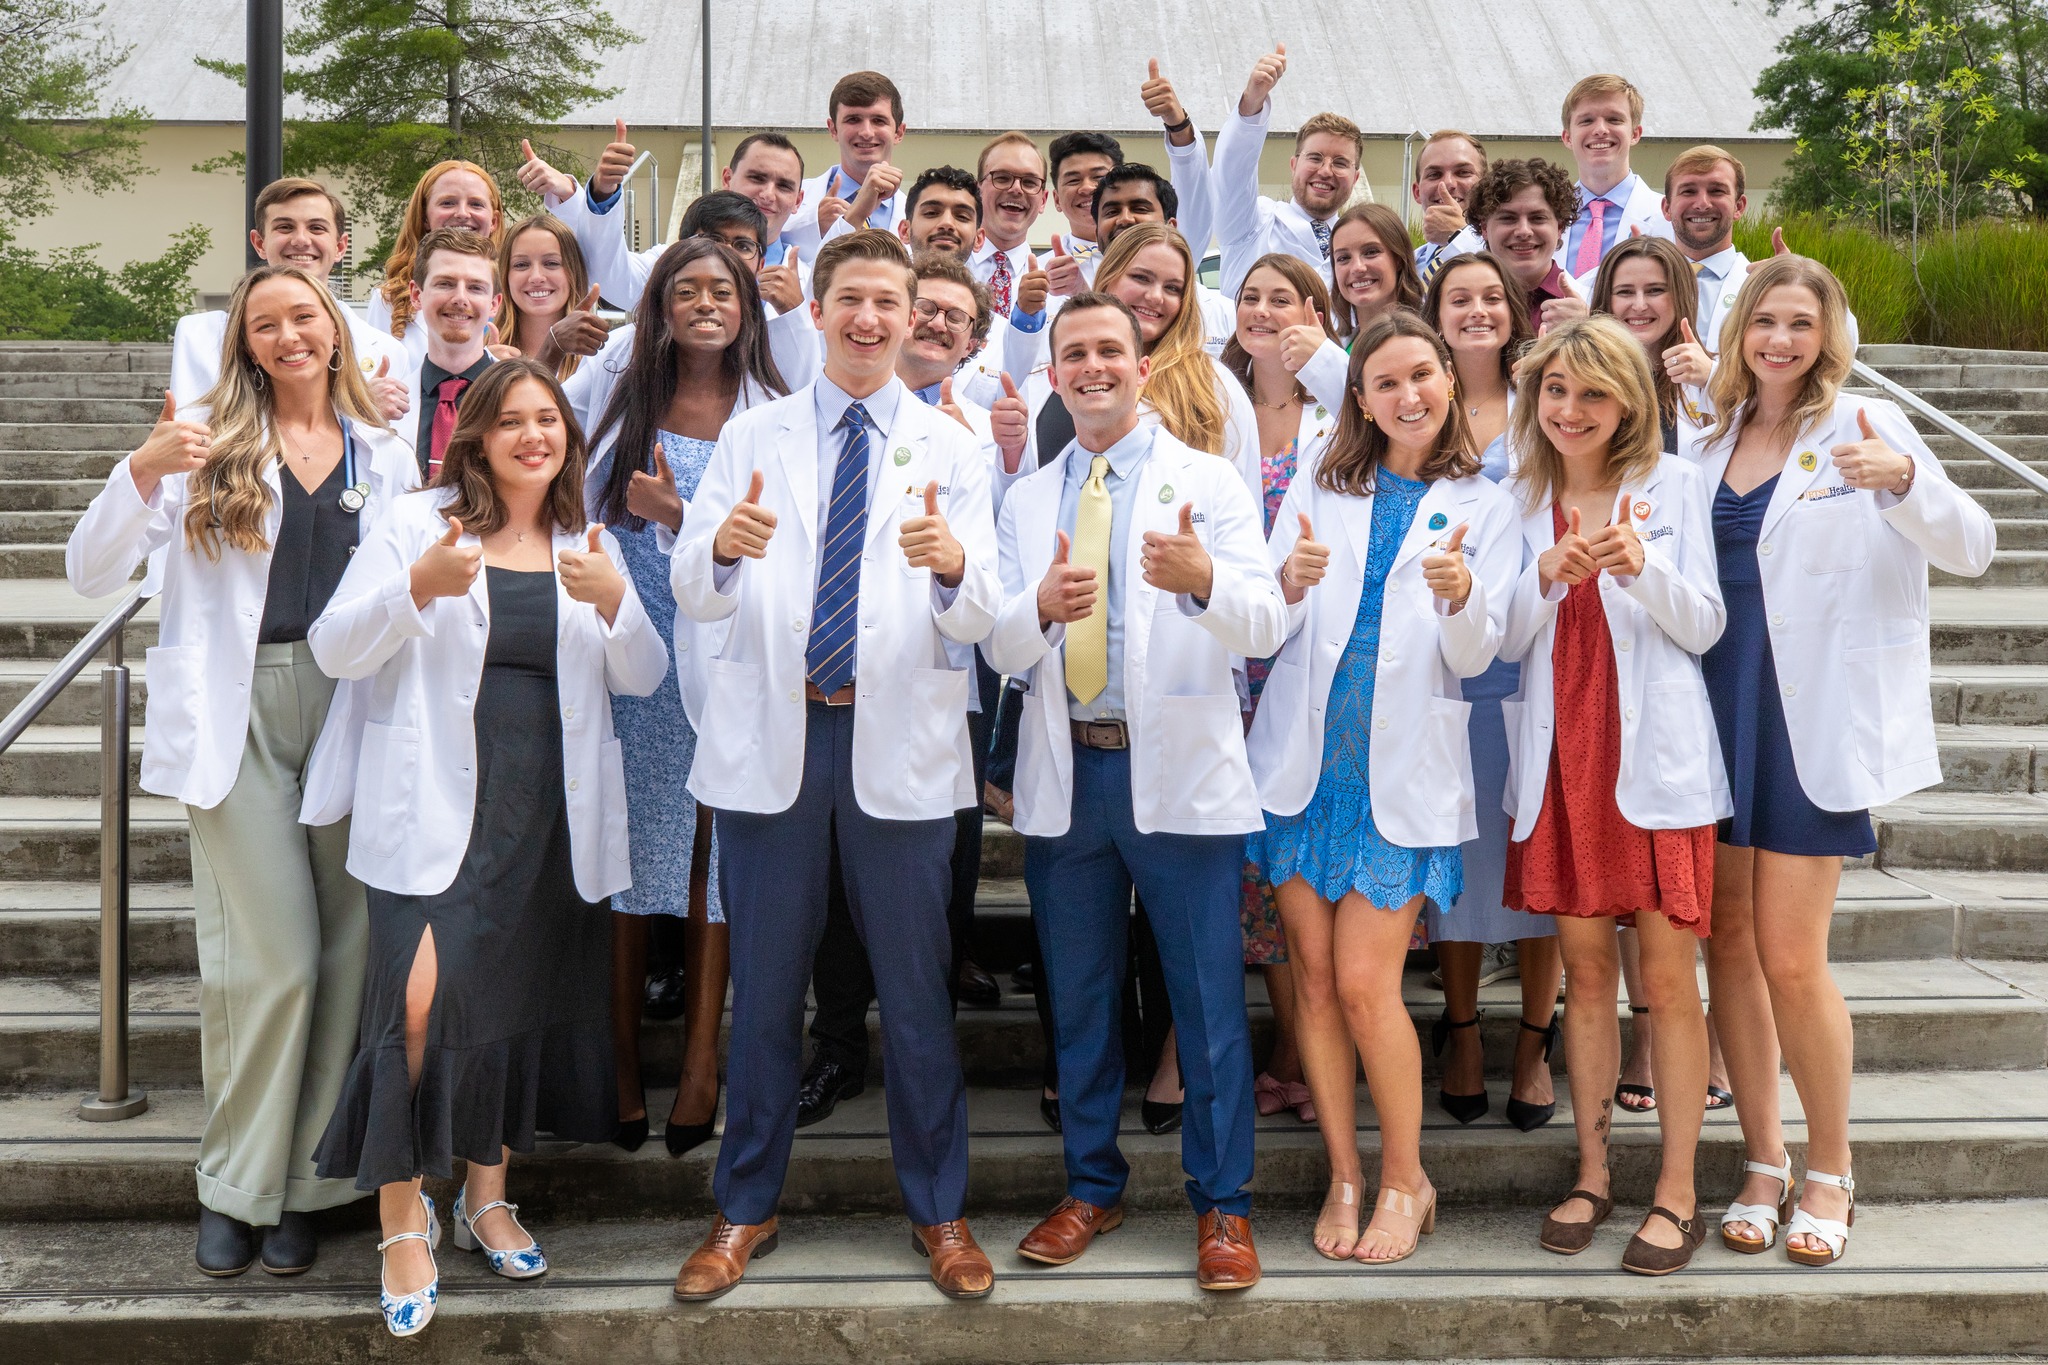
[(283, 934)]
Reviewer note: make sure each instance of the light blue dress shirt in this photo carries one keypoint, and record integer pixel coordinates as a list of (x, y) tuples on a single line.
[(1610, 225), (1126, 458), (1713, 277)]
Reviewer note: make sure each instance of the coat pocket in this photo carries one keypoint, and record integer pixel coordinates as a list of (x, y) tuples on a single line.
[(1200, 757), (170, 719), (1445, 769), (1833, 536), (1680, 726), (728, 741), (386, 783), (1889, 712)]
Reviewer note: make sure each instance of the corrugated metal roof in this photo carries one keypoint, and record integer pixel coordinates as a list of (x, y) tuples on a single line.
[(1496, 67)]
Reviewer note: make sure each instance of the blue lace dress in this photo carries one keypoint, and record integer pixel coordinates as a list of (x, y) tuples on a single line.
[(654, 734), (1333, 844)]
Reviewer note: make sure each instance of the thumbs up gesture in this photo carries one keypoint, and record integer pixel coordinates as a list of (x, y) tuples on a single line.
[(538, 177), (1161, 102), (1266, 73), (1305, 564), (173, 446), (581, 331), (929, 544), (1688, 361), (781, 286), (1032, 287), (745, 530), (1300, 342), (389, 392), (948, 406), (1067, 592), (1569, 305), (653, 497), (445, 568), (1870, 463), (1446, 572), (1442, 215), (881, 181), (613, 163), (1616, 547), (1178, 563), (588, 575), (1063, 272), (1570, 561), (1009, 422)]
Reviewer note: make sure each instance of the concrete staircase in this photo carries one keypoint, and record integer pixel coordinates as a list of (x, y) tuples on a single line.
[(1942, 941)]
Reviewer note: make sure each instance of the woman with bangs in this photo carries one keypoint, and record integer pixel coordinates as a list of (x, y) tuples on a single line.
[(1373, 265), (1361, 756), (695, 355), (541, 279), (1279, 292), (1483, 317), (452, 194), (493, 622), (1827, 510), (1615, 780), (258, 495)]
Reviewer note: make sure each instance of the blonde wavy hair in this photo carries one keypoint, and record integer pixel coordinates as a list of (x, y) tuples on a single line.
[(226, 498), (1733, 387), (397, 286), (1182, 388), (1599, 353)]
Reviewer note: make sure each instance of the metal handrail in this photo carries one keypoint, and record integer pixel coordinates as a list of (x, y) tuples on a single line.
[(115, 1099), (2020, 470), (653, 167)]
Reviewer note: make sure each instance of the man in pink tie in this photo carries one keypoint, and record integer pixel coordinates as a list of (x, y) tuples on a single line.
[(1603, 119), (455, 294)]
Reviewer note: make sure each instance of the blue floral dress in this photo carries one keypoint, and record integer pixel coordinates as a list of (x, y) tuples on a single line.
[(654, 734), (1333, 844)]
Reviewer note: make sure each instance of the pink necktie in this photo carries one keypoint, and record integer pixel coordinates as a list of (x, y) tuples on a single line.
[(1589, 245), (999, 284)]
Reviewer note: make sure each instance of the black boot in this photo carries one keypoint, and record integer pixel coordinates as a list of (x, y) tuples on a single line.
[(227, 1246), (289, 1248)]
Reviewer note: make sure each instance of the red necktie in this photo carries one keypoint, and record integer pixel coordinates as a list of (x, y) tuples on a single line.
[(999, 284), (446, 394)]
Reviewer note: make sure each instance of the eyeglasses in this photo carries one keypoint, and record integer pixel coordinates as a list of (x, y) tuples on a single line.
[(956, 320), (746, 248), (1010, 180)]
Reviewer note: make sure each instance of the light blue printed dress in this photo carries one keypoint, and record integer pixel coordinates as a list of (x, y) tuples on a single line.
[(1333, 843), (654, 734)]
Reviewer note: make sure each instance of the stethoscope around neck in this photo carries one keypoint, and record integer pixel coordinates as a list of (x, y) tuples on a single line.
[(355, 492)]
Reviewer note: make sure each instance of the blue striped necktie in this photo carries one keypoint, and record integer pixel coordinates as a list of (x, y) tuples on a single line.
[(835, 616)]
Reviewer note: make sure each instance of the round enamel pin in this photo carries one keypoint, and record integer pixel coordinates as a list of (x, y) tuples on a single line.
[(1642, 510), (902, 455), (1438, 522), (1321, 412), (1166, 493), (1807, 460)]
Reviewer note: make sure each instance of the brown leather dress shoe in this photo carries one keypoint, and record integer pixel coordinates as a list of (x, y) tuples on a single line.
[(960, 1267), (1224, 1255), (1066, 1232), (721, 1259)]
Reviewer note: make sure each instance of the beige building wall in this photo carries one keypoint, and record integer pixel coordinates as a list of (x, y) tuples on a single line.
[(138, 223)]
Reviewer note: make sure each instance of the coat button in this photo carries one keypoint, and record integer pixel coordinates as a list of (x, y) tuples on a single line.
[(1777, 618), (1764, 548), (1625, 645), (1380, 724), (572, 784), (682, 644), (568, 713), (795, 695), (1791, 689), (1629, 714)]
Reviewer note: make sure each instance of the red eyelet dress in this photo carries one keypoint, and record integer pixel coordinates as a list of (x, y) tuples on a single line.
[(1584, 858)]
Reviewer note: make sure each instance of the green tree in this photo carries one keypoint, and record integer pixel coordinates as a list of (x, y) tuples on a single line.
[(54, 60), (389, 88)]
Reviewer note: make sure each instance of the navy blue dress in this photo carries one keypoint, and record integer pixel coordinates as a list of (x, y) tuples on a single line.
[(1772, 811)]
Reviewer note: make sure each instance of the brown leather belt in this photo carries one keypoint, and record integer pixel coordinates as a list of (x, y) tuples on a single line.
[(843, 697), (1101, 734)]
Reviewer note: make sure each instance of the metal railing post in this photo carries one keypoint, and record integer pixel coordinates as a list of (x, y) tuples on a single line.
[(116, 1100)]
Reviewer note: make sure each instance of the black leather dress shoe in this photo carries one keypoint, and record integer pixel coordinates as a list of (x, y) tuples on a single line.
[(825, 1083), (227, 1246), (976, 988), (290, 1247), (1025, 978), (664, 995)]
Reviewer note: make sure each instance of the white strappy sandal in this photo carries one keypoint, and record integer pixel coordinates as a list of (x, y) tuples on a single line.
[(407, 1314), (1833, 1233), (1765, 1216)]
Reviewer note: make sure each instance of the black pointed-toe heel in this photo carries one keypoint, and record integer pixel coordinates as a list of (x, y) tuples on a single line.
[(1049, 1110), (684, 1137), (632, 1132), (1160, 1116), (1524, 1115), (1463, 1108)]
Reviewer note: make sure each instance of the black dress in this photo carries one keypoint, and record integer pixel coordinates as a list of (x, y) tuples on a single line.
[(519, 1040)]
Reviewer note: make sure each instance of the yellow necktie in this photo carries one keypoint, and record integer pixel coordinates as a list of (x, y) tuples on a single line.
[(1088, 638)]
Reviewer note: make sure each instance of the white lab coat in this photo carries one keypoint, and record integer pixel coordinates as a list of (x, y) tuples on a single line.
[(1420, 757), (1188, 172), (1661, 620), (422, 666), (1240, 426), (910, 750), (1248, 225), (1189, 773), (801, 231), (197, 720), (377, 313), (1845, 585), (1643, 210)]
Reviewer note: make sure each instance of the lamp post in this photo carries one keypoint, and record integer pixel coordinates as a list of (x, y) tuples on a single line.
[(704, 42), (264, 115)]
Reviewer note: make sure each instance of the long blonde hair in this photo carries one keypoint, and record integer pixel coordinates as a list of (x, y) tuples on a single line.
[(397, 286), (572, 264), (1597, 351), (226, 498), (1733, 387), (1182, 388)]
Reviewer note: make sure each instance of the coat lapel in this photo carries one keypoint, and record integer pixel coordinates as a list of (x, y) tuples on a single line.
[(798, 447), (903, 470), (1445, 499), (1804, 464)]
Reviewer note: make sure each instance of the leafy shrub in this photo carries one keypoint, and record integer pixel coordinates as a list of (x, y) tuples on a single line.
[(67, 296), (1876, 273)]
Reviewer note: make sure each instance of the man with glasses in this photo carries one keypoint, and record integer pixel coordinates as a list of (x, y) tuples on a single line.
[(1011, 175)]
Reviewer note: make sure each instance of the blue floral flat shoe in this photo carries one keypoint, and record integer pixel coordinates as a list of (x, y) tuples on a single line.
[(407, 1314), (524, 1263)]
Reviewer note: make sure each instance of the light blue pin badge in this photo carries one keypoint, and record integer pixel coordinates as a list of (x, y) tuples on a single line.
[(1438, 522)]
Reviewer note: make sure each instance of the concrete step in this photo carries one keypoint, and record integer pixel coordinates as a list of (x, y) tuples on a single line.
[(1977, 625), (63, 463), (1882, 357), (1995, 426), (2016, 534), (1958, 1135), (1923, 379), (36, 527), (64, 760), (46, 838), (85, 384), (1917, 1280), (1970, 470), (2010, 568), (32, 561), (57, 358), (1964, 832), (73, 435), (1981, 758), (69, 410), (1990, 694), (1964, 401), (30, 495), (41, 618), (1924, 1015), (2021, 445), (78, 704)]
